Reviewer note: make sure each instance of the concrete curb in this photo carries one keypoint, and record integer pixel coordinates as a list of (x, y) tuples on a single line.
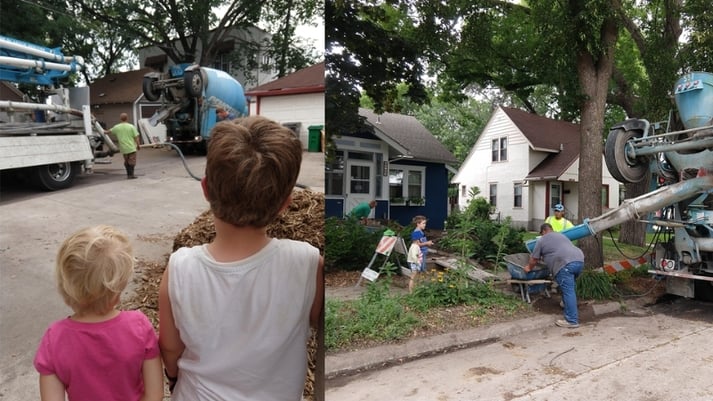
[(381, 357), (353, 362)]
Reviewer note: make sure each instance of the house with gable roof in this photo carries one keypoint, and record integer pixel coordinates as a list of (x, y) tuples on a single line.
[(394, 160), (524, 164), (296, 101)]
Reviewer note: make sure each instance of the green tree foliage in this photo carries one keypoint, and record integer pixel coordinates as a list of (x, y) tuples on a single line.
[(52, 24), (282, 18), (106, 33), (370, 46)]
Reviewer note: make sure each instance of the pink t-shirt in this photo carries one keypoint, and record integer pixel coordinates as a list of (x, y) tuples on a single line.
[(99, 361)]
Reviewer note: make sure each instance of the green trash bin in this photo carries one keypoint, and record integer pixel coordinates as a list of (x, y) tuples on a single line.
[(314, 141)]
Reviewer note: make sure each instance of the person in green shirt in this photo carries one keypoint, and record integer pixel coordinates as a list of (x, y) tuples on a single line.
[(361, 211), (128, 138), (558, 221)]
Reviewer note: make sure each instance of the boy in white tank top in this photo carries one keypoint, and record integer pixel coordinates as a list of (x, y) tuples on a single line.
[(235, 313)]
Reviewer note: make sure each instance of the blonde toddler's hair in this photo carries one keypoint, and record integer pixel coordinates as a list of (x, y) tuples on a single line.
[(94, 265)]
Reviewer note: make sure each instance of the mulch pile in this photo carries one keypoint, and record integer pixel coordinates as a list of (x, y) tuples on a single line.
[(303, 221)]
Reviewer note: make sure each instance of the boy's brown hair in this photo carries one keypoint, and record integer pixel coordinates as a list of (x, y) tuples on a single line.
[(418, 219), (94, 265), (251, 169)]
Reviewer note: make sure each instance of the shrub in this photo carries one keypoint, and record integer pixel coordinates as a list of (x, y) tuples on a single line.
[(349, 245), (593, 284), (437, 288), (482, 239)]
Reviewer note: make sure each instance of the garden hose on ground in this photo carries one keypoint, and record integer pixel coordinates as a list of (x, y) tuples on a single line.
[(185, 165)]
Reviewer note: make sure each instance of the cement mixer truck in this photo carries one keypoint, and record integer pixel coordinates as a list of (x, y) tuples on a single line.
[(190, 97), (55, 138), (679, 162)]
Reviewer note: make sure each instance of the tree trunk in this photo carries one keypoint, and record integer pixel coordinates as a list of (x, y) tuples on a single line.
[(634, 232), (594, 73)]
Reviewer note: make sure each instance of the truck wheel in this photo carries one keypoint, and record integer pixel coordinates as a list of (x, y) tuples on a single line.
[(52, 177), (621, 166), (193, 82), (149, 92)]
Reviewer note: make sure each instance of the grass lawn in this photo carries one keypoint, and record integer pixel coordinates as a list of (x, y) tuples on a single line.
[(612, 251)]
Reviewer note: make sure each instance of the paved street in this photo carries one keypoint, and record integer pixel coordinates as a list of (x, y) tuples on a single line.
[(663, 355), (152, 209)]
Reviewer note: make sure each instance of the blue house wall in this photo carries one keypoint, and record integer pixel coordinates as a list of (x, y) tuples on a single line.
[(436, 207)]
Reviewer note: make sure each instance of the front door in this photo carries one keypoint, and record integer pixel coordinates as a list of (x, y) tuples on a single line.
[(359, 184)]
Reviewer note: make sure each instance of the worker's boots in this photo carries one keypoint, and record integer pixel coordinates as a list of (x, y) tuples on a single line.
[(130, 172)]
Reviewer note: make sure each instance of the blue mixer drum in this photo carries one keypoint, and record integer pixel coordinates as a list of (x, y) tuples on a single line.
[(693, 93)]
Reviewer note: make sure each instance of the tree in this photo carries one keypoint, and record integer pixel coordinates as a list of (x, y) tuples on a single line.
[(653, 35), (187, 31), (370, 47), (282, 17)]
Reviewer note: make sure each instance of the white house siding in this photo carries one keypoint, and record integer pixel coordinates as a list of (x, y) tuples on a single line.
[(570, 189), (478, 170), (306, 109)]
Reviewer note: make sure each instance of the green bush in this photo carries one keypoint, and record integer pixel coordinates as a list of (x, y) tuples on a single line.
[(478, 238), (451, 287), (349, 245)]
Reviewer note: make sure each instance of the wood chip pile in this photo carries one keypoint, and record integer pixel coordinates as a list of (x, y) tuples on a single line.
[(303, 221)]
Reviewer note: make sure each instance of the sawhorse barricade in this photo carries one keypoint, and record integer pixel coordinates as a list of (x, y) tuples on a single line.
[(386, 246)]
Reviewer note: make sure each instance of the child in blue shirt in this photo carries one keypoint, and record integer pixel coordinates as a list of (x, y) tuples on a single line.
[(419, 237)]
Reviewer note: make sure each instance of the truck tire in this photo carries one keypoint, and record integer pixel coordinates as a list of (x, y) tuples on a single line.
[(193, 82), (620, 166), (149, 92), (52, 177)]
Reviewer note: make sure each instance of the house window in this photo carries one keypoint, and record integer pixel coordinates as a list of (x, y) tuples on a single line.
[(360, 182), (222, 62), (499, 148), (517, 195), (463, 191), (493, 195), (334, 175), (555, 194), (407, 183)]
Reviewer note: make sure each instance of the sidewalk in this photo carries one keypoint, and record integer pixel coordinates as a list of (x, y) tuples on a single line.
[(381, 357)]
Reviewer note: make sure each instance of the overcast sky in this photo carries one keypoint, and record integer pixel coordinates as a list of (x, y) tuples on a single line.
[(313, 33)]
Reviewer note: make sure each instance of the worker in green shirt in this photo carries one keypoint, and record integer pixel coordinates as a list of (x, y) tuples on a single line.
[(129, 143), (362, 211)]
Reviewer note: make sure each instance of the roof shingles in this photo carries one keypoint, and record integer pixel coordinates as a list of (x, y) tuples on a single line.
[(408, 132), (310, 77), (544, 134)]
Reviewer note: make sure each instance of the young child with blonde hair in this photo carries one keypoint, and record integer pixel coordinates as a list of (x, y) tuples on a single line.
[(235, 313), (99, 352), (415, 260)]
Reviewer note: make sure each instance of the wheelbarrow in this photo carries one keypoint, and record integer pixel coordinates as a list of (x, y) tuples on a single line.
[(534, 281)]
